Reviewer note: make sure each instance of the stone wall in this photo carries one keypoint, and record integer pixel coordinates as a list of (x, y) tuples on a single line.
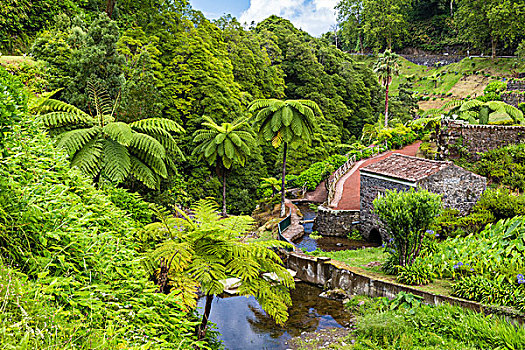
[(433, 60), (516, 85), (370, 188), (461, 189), (331, 275), (457, 138), (513, 99), (329, 222)]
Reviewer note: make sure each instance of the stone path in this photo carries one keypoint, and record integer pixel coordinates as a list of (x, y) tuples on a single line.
[(347, 193), (295, 230)]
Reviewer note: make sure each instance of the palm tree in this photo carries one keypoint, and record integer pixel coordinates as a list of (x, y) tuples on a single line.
[(386, 67), (104, 148), (206, 249), (287, 122), (223, 146), (271, 182)]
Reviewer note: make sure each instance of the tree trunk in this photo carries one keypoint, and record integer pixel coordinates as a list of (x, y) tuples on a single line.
[(110, 6), (283, 190), (224, 192), (386, 105), (451, 7), (494, 44), (201, 330)]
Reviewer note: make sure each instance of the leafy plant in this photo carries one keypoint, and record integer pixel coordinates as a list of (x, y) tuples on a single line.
[(205, 249), (407, 229), (106, 149), (223, 146)]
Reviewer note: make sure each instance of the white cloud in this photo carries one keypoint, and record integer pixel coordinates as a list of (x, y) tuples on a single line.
[(313, 16)]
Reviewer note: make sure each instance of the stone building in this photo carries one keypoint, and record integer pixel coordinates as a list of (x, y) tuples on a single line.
[(460, 189)]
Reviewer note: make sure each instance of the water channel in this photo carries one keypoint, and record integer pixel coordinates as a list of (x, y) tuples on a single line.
[(243, 325)]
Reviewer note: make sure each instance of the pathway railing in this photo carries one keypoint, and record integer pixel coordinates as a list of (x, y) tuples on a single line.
[(341, 171), (283, 225)]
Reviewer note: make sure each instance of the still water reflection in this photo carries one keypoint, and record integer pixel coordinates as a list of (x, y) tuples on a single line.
[(244, 325)]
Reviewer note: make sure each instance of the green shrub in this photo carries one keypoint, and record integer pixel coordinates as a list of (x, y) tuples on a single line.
[(501, 203), (415, 274), (406, 229), (496, 87), (318, 172)]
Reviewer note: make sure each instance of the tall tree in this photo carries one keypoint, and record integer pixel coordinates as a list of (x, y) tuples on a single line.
[(223, 145), (107, 149), (207, 249), (386, 67), (491, 21), (285, 122), (381, 21)]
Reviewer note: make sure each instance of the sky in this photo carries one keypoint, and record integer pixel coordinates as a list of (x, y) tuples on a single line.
[(313, 16)]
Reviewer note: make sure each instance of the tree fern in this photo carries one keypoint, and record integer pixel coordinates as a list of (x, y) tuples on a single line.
[(223, 145), (116, 161), (209, 249), (143, 173), (100, 145)]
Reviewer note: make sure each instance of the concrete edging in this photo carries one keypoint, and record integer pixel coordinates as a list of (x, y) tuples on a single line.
[(324, 272)]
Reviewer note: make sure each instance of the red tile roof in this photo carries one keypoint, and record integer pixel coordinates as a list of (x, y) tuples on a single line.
[(405, 167)]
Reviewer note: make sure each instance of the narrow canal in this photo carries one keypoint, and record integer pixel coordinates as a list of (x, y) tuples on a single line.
[(243, 325)]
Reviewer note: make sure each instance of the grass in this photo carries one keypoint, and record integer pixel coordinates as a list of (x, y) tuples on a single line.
[(16, 60), (357, 258), (461, 79), (387, 325)]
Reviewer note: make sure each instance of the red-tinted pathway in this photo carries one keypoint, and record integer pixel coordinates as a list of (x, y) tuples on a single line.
[(350, 197)]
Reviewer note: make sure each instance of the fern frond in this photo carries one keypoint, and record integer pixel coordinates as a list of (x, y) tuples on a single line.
[(119, 132), (153, 124), (59, 119), (142, 173), (89, 158), (145, 144), (74, 140), (116, 162)]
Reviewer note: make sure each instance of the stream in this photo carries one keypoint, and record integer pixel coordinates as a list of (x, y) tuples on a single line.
[(243, 325)]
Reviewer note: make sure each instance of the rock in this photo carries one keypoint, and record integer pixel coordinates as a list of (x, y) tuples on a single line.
[(334, 294)]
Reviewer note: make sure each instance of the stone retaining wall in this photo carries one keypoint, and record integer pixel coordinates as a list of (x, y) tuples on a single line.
[(329, 275), (433, 60), (457, 138), (339, 223), (513, 99), (516, 85)]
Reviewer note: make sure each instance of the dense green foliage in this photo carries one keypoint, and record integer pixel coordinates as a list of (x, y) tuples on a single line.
[(432, 25), (505, 166), (407, 215), (406, 323), (69, 260), (165, 60)]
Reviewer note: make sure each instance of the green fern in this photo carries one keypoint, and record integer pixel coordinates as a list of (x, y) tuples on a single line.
[(104, 148), (207, 249)]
